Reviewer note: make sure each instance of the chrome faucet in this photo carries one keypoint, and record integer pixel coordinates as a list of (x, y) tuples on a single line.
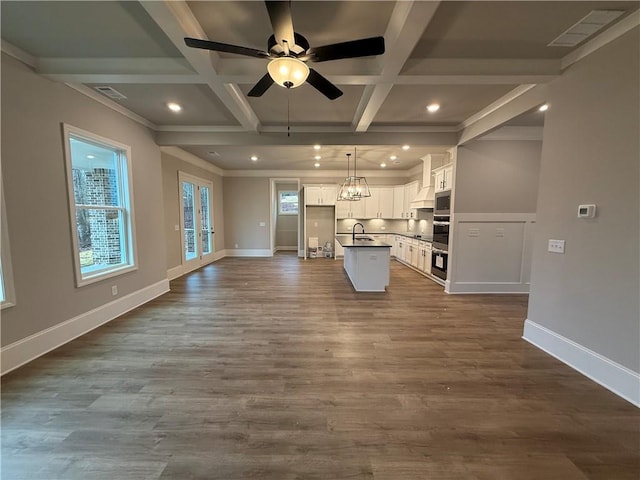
[(353, 230)]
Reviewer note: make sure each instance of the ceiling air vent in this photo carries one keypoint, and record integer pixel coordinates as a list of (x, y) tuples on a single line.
[(111, 93), (586, 27)]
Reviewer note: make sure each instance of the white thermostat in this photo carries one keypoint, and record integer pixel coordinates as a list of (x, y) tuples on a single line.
[(586, 211)]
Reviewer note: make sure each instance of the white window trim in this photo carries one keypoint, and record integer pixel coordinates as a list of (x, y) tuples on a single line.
[(7, 270), (127, 186), (280, 212)]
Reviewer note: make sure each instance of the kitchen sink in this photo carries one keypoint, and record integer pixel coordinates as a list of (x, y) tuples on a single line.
[(365, 239)]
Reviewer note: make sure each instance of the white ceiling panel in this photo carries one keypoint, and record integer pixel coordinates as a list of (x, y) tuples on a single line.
[(406, 104), (306, 105), (199, 105), (509, 30), (84, 30)]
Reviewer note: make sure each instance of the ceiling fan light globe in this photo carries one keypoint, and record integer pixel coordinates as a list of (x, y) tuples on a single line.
[(288, 72)]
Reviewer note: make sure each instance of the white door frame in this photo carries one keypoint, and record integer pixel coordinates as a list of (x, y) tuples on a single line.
[(274, 206), (200, 260)]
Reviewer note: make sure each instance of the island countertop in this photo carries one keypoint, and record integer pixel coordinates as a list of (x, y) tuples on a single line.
[(361, 241)]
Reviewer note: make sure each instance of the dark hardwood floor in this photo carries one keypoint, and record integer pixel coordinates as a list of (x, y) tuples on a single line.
[(275, 369)]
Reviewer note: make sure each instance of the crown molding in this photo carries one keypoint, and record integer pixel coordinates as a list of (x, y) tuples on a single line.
[(111, 104), (514, 133), (497, 105), (608, 36), (19, 54), (314, 173), (192, 159)]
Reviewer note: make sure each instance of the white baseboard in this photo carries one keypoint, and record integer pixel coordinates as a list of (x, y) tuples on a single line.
[(611, 375), (248, 252), (23, 351), (175, 272), (286, 249), (486, 287), (180, 270)]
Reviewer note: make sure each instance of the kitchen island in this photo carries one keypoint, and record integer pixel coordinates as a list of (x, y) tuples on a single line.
[(366, 262)]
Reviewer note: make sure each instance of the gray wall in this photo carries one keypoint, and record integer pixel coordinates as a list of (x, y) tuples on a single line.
[(590, 155), (286, 225), (321, 224), (246, 204), (497, 177), (33, 168), (171, 166)]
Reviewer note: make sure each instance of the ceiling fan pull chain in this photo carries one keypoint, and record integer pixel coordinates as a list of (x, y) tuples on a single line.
[(288, 122)]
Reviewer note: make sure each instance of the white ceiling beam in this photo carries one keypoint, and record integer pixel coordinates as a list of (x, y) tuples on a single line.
[(177, 21), (107, 79), (194, 138), (142, 66), (517, 102), (406, 26)]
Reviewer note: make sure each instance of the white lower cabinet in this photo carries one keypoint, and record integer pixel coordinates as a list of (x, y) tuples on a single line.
[(413, 252)]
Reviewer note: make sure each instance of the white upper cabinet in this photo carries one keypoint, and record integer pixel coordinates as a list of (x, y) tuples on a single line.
[(324, 195), (350, 209), (410, 192), (380, 203), (443, 177), (398, 201)]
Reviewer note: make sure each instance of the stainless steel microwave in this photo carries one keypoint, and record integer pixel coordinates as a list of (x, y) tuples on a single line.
[(442, 203)]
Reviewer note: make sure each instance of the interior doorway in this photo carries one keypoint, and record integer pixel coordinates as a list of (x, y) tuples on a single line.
[(285, 215), (196, 221)]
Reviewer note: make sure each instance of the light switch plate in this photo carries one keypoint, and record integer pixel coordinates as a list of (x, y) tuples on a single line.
[(556, 246)]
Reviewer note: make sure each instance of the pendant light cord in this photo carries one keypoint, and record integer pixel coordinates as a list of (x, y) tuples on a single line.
[(288, 121)]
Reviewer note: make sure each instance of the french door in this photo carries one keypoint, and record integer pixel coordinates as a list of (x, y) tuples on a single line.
[(196, 221)]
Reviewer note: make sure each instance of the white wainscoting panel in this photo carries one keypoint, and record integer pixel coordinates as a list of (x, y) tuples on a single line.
[(611, 375), (490, 253), (23, 351)]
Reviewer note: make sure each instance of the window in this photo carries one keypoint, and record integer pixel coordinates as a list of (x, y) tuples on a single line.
[(99, 183), (288, 203), (7, 297)]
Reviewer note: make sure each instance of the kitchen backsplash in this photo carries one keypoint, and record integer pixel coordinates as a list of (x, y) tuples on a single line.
[(378, 225)]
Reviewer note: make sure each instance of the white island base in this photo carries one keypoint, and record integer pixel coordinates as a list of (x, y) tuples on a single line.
[(367, 267)]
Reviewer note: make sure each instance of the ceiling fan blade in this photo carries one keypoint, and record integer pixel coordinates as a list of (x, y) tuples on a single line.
[(323, 85), (224, 47), (280, 16), (262, 86), (355, 48)]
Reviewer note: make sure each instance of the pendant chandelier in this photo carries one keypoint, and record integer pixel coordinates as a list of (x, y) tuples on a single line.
[(353, 188)]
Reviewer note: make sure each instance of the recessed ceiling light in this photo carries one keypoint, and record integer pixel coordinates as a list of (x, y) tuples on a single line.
[(316, 147), (317, 164), (406, 147), (254, 158), (174, 107), (543, 108), (383, 165), (434, 107), (393, 157), (317, 157), (91, 156)]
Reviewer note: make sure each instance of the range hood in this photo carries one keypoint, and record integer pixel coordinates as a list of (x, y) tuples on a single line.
[(425, 197)]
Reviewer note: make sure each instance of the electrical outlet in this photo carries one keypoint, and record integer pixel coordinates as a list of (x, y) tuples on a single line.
[(263, 224), (315, 224), (114, 290), (176, 228), (556, 246), (236, 245)]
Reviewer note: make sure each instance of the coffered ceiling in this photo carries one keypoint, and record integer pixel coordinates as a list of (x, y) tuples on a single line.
[(471, 57)]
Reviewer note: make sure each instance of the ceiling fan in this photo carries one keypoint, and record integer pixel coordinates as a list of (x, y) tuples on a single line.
[(289, 53)]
